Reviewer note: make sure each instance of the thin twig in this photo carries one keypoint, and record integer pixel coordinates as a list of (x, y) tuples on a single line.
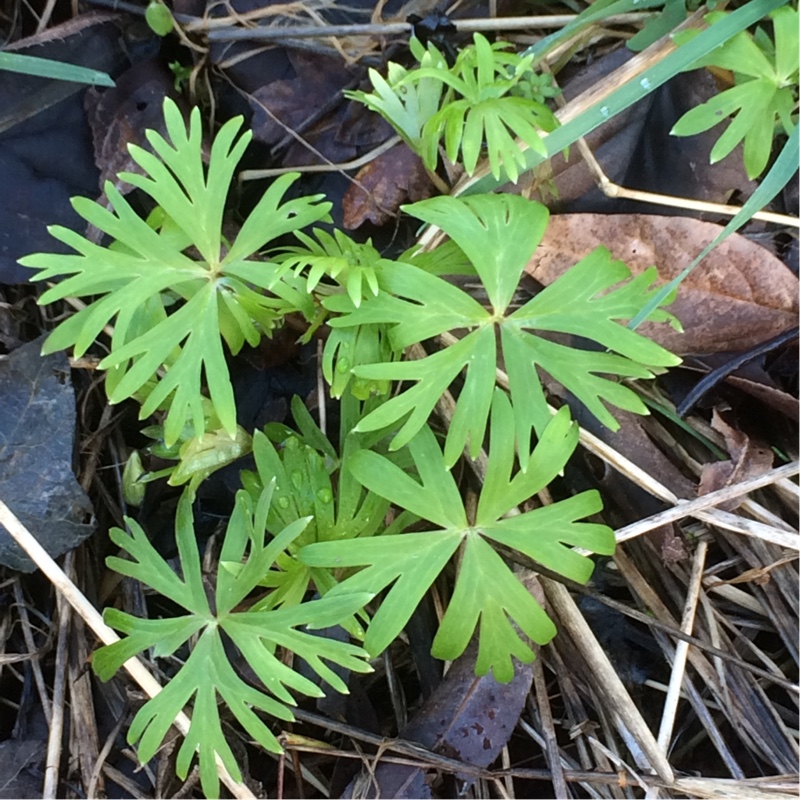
[(614, 190), (38, 678), (56, 734), (276, 33), (259, 174), (688, 508), (103, 755), (606, 676), (682, 648), (546, 715)]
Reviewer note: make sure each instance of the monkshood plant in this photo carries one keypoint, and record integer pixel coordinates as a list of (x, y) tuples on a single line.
[(313, 519), (207, 673), (171, 309), (497, 235), (487, 595)]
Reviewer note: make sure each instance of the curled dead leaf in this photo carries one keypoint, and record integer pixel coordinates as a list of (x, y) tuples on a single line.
[(383, 185), (739, 296), (749, 458)]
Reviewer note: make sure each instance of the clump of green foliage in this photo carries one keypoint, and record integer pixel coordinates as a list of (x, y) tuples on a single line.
[(257, 634), (481, 105), (171, 311), (313, 515)]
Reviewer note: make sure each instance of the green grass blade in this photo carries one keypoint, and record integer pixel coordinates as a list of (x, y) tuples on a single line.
[(56, 70)]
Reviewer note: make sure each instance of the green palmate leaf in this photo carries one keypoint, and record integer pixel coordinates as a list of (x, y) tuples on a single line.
[(498, 234), (487, 594), (765, 92), (207, 673), (170, 311)]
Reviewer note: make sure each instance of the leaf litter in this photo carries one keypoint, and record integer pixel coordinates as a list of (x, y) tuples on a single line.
[(739, 296), (736, 723)]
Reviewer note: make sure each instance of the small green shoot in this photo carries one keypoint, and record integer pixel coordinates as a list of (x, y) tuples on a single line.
[(764, 97), (350, 264), (314, 482), (478, 105), (404, 103)]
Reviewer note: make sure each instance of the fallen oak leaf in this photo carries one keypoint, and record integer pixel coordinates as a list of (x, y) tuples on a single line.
[(739, 296)]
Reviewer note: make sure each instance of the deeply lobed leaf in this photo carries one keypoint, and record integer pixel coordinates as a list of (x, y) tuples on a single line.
[(207, 673), (498, 234), (487, 594), (765, 93), (167, 362)]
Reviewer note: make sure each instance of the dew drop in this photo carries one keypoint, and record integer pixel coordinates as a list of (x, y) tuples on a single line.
[(297, 478), (343, 365), (645, 83), (605, 111), (283, 502), (325, 495)]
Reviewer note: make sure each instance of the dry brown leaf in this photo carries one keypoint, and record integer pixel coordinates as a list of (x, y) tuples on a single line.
[(749, 458), (120, 116), (468, 717), (317, 79), (772, 397), (739, 296), (390, 180)]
